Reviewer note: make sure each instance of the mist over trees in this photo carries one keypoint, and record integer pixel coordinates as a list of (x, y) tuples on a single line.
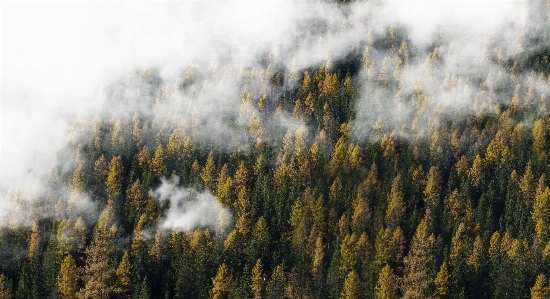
[(355, 157)]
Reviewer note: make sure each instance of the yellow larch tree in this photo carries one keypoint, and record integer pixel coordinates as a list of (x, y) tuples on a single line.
[(67, 279), (386, 287)]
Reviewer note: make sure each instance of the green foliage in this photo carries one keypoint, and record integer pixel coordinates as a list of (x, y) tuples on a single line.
[(453, 208)]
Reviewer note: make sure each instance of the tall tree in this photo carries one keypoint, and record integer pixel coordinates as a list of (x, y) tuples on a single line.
[(442, 282), (257, 280), (208, 174), (386, 288), (419, 263), (221, 283), (540, 290), (124, 281), (67, 280), (4, 289), (275, 288), (351, 286), (396, 204), (99, 269)]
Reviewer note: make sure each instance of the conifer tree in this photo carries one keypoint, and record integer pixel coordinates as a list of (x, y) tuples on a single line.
[(540, 290), (396, 205), (527, 185), (257, 280), (442, 282), (221, 283), (275, 288), (157, 162), (67, 279), (386, 287), (142, 292), (208, 174), (4, 288), (351, 286), (113, 183), (99, 269), (419, 263), (124, 281)]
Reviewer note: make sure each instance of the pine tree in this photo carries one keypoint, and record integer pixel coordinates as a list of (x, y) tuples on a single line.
[(135, 200), (157, 162), (527, 185), (347, 256), (142, 292), (224, 186), (475, 171), (433, 188), (396, 248), (458, 245), (241, 177), (337, 157), (318, 256), (541, 205)]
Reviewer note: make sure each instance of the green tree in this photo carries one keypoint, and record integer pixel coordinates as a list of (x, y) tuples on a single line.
[(275, 288)]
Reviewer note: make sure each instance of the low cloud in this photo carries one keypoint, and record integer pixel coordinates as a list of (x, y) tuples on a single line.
[(65, 60), (189, 208)]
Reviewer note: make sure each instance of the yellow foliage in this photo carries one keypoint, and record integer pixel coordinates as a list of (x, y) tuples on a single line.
[(221, 282), (386, 287), (67, 279)]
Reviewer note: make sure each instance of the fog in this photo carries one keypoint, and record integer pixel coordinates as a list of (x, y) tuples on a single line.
[(59, 59)]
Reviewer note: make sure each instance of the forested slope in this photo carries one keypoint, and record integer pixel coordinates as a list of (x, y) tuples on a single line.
[(439, 188)]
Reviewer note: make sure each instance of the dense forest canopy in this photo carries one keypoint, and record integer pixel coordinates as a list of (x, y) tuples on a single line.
[(352, 153)]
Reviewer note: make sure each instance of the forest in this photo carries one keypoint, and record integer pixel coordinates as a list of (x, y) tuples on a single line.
[(394, 171)]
